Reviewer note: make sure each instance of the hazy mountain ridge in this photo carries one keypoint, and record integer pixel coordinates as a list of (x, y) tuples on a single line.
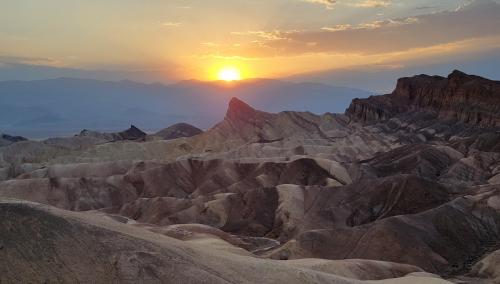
[(65, 104)]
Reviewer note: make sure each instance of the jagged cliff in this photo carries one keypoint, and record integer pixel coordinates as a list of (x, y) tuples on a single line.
[(458, 97)]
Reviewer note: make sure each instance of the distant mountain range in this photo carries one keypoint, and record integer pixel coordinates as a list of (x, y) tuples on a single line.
[(61, 107)]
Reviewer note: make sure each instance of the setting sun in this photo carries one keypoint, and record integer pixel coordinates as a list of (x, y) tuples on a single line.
[(229, 74)]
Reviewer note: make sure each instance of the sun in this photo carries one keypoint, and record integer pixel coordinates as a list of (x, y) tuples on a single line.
[(229, 74)]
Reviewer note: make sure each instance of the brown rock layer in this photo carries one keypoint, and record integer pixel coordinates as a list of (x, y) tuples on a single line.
[(460, 97)]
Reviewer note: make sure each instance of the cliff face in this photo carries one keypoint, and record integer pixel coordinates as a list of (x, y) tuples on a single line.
[(461, 97)]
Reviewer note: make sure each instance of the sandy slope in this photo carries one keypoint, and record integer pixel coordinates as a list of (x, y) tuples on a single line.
[(41, 243)]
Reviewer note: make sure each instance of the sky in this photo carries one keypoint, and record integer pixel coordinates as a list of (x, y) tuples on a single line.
[(173, 40)]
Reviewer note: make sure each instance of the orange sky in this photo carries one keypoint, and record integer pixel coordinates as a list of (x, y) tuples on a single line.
[(195, 39)]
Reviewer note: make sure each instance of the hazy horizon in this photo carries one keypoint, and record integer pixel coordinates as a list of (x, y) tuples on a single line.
[(62, 107)]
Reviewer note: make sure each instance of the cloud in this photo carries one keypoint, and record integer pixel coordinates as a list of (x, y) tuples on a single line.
[(328, 3), (477, 20), (210, 44), (373, 25), (372, 3), (267, 35), (426, 7), (171, 24), (28, 60)]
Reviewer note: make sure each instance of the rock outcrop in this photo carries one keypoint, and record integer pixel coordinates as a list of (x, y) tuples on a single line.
[(133, 133), (175, 131), (6, 139), (459, 97)]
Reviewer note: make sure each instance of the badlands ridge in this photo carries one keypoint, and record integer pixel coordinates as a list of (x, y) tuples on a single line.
[(401, 188)]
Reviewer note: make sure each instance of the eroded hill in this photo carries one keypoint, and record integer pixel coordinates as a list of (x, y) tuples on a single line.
[(402, 183)]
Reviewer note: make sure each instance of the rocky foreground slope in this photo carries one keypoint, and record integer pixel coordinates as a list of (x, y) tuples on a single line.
[(400, 184), (44, 244)]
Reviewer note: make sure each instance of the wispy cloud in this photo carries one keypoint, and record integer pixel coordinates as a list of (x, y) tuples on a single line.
[(28, 60), (392, 35), (210, 44), (372, 3), (267, 35), (373, 25), (426, 7), (171, 24), (328, 3)]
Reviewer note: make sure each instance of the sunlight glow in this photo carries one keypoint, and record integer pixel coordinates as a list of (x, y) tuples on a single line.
[(229, 74)]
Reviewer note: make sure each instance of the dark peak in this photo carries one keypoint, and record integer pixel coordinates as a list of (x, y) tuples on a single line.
[(238, 109), (13, 138), (133, 128), (457, 74), (241, 111), (239, 105), (178, 130), (182, 126), (133, 133), (458, 78)]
